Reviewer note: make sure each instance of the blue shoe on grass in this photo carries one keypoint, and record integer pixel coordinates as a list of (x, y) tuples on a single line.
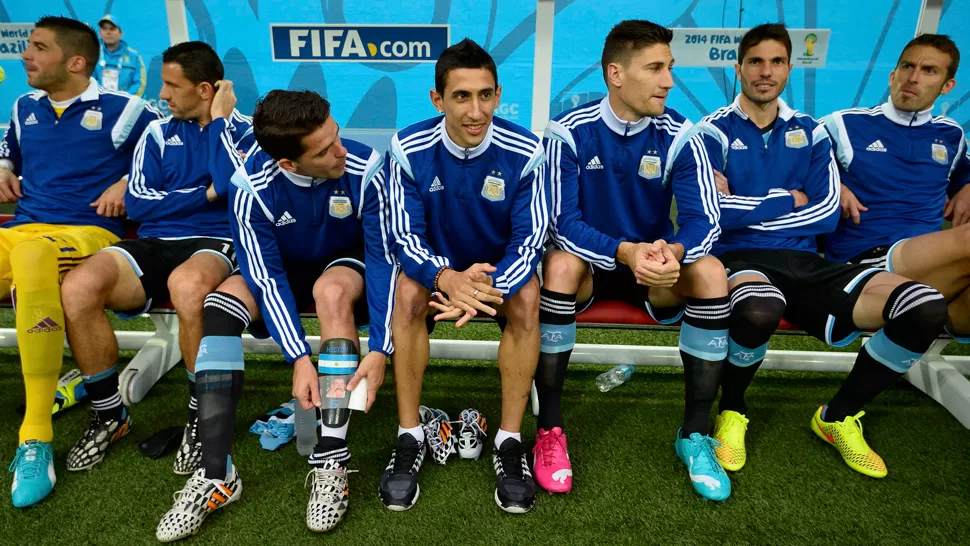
[(33, 473), (708, 478)]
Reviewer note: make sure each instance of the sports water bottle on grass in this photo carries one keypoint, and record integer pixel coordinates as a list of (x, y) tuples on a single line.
[(615, 377)]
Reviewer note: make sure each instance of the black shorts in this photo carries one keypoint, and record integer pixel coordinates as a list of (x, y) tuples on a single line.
[(302, 276), (620, 284), (820, 294), (880, 256), (154, 260)]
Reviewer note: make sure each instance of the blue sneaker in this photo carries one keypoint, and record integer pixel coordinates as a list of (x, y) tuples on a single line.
[(33, 473), (709, 479)]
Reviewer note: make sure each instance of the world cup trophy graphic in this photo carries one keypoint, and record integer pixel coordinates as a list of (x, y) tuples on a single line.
[(810, 41)]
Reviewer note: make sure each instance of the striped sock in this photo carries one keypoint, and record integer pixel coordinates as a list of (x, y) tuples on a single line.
[(193, 401), (103, 390)]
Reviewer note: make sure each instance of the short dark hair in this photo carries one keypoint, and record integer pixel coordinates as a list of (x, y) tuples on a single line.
[(943, 43), (464, 54), (630, 36), (763, 33), (283, 118), (198, 60), (75, 38)]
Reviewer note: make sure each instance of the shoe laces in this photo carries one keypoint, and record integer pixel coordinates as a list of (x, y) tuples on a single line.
[(706, 459), (852, 428), (194, 488), (404, 458), (30, 460), (327, 482), (511, 460), (546, 449), (469, 419), (432, 433)]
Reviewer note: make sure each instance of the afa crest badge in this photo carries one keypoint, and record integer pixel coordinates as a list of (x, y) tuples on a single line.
[(493, 189), (939, 154), (340, 206), (796, 138), (92, 120), (649, 167)]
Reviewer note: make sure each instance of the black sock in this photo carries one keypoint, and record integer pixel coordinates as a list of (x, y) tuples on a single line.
[(105, 397), (557, 325), (193, 401), (756, 310), (219, 375), (915, 315), (703, 348)]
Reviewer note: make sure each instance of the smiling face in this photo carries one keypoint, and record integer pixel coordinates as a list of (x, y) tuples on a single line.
[(468, 102), (764, 71), (642, 84), (920, 77)]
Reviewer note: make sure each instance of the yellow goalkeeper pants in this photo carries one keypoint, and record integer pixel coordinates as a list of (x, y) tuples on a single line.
[(33, 261)]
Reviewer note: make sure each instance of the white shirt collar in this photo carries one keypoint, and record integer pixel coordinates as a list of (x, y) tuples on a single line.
[(301, 180), (460, 151), (617, 125), (89, 94), (909, 119), (785, 112)]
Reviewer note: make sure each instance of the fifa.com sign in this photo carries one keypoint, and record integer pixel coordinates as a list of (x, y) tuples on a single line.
[(359, 43)]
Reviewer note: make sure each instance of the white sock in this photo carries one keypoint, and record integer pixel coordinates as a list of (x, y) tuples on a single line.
[(417, 432), (503, 435)]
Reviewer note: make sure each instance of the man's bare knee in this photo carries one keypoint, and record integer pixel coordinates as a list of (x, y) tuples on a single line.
[(522, 309), (410, 300), (334, 299), (84, 289), (705, 278), (563, 272), (188, 289)]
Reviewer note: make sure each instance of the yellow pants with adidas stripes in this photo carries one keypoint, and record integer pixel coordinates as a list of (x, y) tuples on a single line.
[(33, 261)]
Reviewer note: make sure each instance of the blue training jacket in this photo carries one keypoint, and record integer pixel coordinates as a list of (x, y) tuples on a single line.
[(67, 163), (613, 181), (901, 165), (281, 220), (454, 206), (175, 162), (761, 167)]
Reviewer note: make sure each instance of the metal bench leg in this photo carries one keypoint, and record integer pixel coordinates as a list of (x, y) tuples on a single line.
[(942, 382), (156, 357)]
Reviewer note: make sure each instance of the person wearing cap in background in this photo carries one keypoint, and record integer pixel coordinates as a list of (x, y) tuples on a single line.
[(121, 67)]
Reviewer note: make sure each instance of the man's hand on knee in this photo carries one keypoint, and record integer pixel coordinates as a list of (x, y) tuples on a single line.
[(306, 383), (9, 186)]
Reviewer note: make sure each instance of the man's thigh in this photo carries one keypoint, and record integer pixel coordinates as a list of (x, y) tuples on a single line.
[(940, 260), (74, 244), (620, 285), (207, 260)]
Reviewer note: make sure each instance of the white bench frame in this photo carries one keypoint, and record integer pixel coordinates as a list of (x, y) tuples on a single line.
[(943, 378)]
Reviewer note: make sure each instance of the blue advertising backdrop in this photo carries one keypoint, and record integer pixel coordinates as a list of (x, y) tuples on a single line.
[(377, 85)]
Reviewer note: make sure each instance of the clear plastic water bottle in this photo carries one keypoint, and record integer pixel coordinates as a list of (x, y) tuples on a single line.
[(617, 376)]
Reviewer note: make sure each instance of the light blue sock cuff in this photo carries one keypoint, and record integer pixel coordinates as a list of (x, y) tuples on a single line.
[(557, 338), (889, 354), (190, 375), (220, 353), (742, 356), (704, 344), (100, 376)]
